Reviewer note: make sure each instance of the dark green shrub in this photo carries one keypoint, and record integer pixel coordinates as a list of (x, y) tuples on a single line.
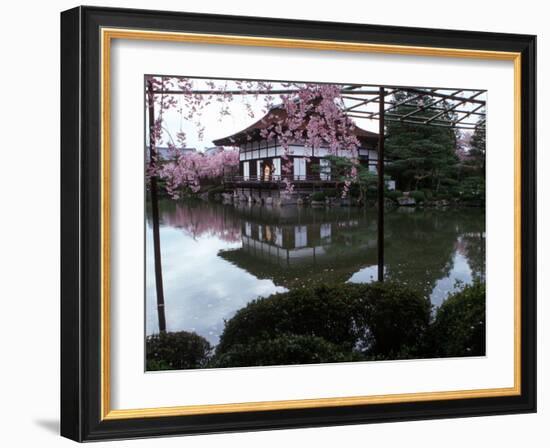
[(394, 317), (372, 190), (418, 196), (332, 193), (375, 319), (178, 350), (283, 349), (323, 311), (449, 181), (459, 326), (318, 196), (442, 195), (395, 194), (473, 190), (456, 192), (154, 364), (428, 194)]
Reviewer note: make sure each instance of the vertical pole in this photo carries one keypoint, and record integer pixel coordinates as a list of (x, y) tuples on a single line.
[(380, 169), (155, 210)]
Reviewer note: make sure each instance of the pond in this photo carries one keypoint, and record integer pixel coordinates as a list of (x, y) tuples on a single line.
[(216, 258)]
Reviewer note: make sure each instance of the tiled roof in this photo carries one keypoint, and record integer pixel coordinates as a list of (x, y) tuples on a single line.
[(275, 115)]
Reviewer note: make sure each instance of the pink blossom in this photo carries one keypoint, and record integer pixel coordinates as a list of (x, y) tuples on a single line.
[(188, 170), (313, 116)]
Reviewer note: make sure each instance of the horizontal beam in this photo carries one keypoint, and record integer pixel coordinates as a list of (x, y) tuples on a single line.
[(451, 108), (421, 92), (459, 111), (451, 96), (450, 125), (248, 92)]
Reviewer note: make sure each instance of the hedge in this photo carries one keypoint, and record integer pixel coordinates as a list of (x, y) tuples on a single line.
[(178, 350), (374, 319), (459, 326), (340, 323), (283, 349)]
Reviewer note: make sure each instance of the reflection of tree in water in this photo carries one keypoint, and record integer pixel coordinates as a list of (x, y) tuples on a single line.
[(474, 250), (357, 237), (202, 219), (420, 245)]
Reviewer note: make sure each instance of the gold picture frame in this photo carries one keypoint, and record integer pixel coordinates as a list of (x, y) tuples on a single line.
[(105, 31)]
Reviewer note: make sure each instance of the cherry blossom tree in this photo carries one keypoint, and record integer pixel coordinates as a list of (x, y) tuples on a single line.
[(188, 170), (313, 115)]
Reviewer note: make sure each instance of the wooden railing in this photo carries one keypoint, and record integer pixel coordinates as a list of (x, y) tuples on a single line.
[(276, 178)]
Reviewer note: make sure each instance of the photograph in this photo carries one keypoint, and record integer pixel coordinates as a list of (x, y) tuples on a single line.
[(272, 223), (290, 222)]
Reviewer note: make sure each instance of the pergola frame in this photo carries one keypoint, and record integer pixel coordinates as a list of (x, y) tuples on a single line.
[(452, 108), (463, 103)]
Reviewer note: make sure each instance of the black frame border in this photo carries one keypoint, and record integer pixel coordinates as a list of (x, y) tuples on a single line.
[(81, 223)]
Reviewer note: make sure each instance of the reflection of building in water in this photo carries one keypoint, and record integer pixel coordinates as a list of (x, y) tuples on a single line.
[(311, 248), (292, 244)]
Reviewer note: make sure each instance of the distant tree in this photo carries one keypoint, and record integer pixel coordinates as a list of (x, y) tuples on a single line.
[(476, 154), (420, 154), (471, 173)]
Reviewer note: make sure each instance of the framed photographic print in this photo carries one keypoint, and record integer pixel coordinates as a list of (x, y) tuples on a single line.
[(275, 224)]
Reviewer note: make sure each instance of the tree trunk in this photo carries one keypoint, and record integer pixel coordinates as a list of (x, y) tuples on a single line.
[(155, 211)]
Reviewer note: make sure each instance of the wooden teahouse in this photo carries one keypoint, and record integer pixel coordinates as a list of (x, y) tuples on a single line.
[(261, 174)]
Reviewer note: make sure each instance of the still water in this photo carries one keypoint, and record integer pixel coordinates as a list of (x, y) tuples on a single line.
[(216, 258)]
